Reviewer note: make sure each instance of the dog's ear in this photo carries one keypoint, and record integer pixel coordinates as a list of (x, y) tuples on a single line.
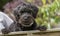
[(16, 12), (34, 8)]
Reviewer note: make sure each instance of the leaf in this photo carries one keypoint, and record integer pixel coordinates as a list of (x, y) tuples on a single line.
[(44, 2)]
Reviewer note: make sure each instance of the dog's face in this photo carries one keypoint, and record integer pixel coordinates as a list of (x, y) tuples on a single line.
[(25, 14)]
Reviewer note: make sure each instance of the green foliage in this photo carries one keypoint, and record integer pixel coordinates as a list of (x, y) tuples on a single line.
[(48, 14)]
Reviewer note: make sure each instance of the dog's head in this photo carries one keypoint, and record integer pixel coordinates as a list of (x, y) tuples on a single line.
[(25, 14)]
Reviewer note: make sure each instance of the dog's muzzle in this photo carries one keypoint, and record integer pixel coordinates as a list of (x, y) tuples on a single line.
[(26, 20)]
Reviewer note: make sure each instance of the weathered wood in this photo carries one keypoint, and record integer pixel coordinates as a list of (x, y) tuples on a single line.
[(48, 32)]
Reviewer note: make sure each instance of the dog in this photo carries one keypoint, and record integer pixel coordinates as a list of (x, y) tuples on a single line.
[(25, 15)]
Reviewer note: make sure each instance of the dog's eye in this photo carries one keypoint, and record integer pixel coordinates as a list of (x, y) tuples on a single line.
[(29, 12)]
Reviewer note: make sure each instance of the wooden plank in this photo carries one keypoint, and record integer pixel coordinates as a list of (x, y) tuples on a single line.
[(48, 32)]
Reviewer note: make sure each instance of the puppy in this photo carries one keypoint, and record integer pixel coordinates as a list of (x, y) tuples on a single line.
[(25, 15)]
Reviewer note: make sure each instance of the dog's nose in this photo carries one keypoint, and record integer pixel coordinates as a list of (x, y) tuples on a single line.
[(26, 18)]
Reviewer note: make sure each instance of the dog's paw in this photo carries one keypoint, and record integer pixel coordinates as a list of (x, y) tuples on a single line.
[(42, 28), (5, 31)]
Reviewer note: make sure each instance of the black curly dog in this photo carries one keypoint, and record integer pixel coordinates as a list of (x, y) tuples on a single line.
[(25, 15)]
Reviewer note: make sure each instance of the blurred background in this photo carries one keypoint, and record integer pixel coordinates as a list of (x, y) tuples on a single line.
[(49, 11)]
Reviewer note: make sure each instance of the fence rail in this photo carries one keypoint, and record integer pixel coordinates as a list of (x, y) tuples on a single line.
[(48, 32)]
